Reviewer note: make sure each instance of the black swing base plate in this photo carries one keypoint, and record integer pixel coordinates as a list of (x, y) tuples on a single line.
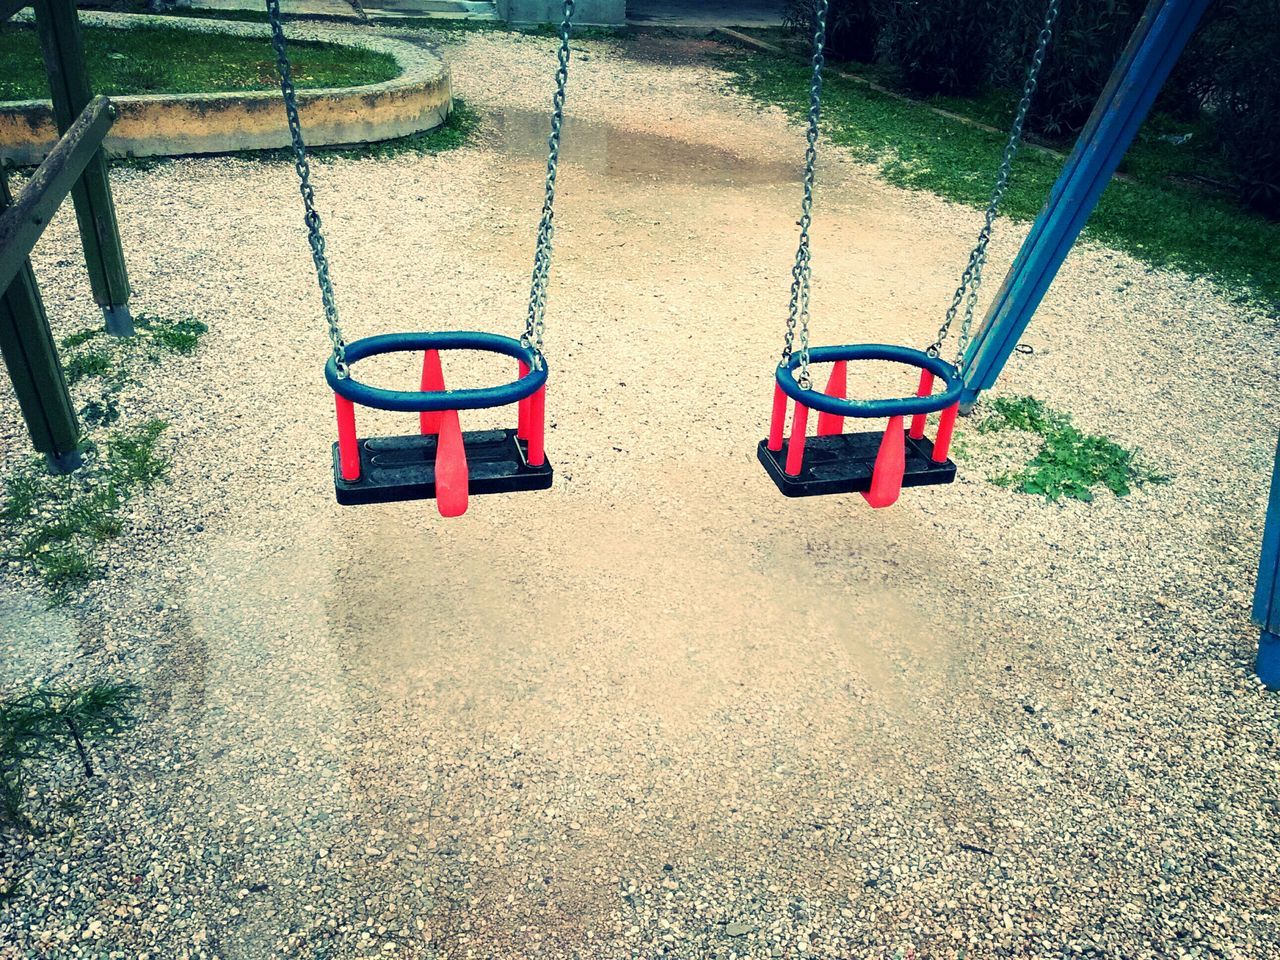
[(843, 463), (404, 468)]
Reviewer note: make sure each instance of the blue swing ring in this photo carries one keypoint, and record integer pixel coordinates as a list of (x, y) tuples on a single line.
[(902, 406), (417, 401)]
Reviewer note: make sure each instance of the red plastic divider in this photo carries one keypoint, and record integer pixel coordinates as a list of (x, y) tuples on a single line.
[(537, 427), (831, 424), (432, 380), (891, 464), (795, 447), (452, 475), (925, 388), (348, 446), (778, 422), (522, 417), (946, 426)]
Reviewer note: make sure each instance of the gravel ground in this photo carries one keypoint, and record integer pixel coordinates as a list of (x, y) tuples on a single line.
[(657, 710)]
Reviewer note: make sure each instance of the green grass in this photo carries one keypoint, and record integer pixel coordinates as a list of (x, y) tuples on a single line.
[(177, 336), (1160, 222), (49, 721), (57, 525), (1069, 464), (93, 355), (158, 59), (54, 523)]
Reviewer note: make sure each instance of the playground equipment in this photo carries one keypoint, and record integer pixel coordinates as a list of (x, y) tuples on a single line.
[(876, 465), (75, 166), (441, 461)]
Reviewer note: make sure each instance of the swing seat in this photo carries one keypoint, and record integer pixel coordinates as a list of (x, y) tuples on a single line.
[(404, 468), (441, 462), (844, 463), (877, 464)]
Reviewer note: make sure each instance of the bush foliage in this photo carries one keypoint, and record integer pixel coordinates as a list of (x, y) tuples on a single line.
[(1230, 72)]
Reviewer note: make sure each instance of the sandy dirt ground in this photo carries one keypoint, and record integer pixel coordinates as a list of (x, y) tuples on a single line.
[(657, 710)]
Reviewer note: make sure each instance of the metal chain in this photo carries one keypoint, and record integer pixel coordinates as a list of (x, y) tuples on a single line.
[(314, 235), (798, 311), (971, 278), (535, 323)]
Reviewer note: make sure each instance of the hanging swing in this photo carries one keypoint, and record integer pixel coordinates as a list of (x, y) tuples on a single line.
[(441, 461), (876, 464)]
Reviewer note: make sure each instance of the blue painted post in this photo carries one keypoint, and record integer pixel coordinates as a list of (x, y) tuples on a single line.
[(1142, 69), (1266, 602)]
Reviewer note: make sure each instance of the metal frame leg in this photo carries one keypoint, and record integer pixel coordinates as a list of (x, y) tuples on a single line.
[(1158, 40), (1266, 602)]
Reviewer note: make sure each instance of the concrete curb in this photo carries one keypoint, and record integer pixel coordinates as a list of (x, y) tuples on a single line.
[(176, 124)]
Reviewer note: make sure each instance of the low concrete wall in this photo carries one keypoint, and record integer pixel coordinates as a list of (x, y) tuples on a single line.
[(164, 124), (586, 12)]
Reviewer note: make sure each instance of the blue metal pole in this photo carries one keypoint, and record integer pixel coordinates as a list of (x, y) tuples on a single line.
[(1266, 601), (1158, 40)]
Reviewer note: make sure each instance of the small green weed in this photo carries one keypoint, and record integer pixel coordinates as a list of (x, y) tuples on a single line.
[(110, 362), (132, 460), (81, 337), (56, 525), (88, 363), (49, 721), (1069, 463), (178, 336)]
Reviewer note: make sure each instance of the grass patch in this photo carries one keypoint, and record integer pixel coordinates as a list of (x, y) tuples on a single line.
[(1161, 223), (160, 59), (92, 354), (1069, 464), (96, 362), (55, 526), (177, 336), (49, 722)]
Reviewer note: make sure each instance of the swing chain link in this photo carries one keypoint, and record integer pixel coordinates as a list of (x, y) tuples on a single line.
[(315, 236), (798, 311), (971, 278), (535, 323)]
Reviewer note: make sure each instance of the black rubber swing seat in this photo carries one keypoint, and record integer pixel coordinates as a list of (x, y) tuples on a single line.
[(875, 463), (845, 463), (441, 462), (394, 469)]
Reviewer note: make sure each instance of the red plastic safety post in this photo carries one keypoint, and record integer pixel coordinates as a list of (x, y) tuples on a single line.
[(831, 424), (778, 422), (522, 416), (348, 446), (946, 426), (795, 446), (891, 464), (537, 428), (452, 476), (432, 380), (926, 388)]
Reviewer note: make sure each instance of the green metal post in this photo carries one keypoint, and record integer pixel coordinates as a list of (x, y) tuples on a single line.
[(63, 49), (27, 344)]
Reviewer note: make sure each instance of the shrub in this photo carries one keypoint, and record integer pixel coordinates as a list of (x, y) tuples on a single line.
[(853, 26), (942, 47), (1236, 74), (1087, 41)]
